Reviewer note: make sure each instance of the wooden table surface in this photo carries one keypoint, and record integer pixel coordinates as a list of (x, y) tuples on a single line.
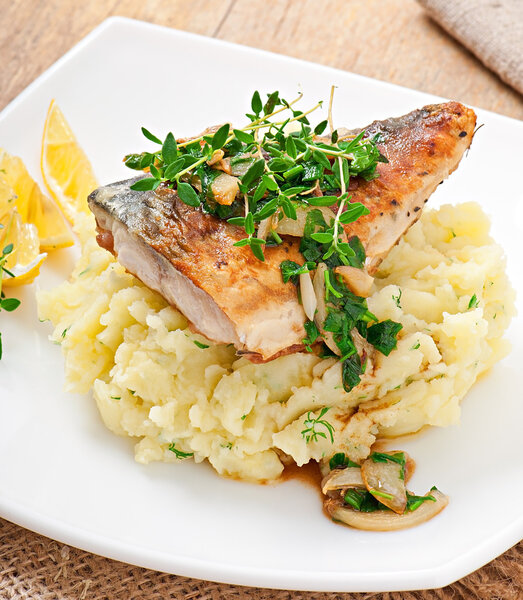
[(391, 40)]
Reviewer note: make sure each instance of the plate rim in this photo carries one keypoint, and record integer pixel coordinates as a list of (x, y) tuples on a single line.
[(440, 575)]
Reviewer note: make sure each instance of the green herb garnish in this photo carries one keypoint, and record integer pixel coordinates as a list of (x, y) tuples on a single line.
[(397, 299), (362, 500), (284, 168), (473, 302), (381, 494), (313, 334), (179, 453), (383, 335), (311, 433), (200, 344), (290, 270), (340, 460), (365, 501), (414, 502)]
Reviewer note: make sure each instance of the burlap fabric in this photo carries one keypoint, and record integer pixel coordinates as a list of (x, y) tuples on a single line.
[(491, 29), (33, 567)]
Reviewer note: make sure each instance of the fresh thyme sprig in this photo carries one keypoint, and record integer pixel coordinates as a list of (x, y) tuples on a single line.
[(277, 172)]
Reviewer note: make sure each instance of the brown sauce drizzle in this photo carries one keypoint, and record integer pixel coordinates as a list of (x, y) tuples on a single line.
[(309, 474)]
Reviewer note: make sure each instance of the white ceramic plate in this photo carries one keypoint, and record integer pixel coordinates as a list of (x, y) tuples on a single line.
[(64, 475)]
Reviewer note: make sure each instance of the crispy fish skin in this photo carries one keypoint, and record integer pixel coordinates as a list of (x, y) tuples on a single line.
[(423, 148), (232, 297), (189, 257)]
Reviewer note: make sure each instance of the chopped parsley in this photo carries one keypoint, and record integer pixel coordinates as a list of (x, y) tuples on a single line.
[(290, 270), (201, 345), (362, 500), (383, 335), (473, 302), (367, 501), (313, 334), (340, 460), (397, 299)]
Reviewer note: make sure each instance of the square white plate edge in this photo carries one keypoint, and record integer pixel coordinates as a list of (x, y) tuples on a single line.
[(134, 555)]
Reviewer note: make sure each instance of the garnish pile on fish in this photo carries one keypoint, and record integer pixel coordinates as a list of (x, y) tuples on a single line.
[(176, 239)]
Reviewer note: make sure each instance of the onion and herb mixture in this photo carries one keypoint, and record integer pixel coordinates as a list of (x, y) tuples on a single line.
[(374, 495), (272, 182)]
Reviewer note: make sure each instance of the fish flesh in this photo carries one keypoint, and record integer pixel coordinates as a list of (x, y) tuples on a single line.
[(226, 293), (189, 258)]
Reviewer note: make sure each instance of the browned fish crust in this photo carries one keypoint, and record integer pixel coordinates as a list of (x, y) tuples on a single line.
[(423, 148)]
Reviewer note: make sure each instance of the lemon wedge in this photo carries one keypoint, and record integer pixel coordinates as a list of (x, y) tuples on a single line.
[(8, 199), (20, 247), (66, 170), (32, 205)]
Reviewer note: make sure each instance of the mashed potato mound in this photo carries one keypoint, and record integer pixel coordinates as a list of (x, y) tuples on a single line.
[(182, 395)]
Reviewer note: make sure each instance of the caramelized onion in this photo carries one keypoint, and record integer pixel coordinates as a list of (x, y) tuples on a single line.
[(308, 297), (297, 227), (383, 520), (224, 189), (358, 281), (264, 228), (386, 481), (241, 167), (216, 157), (339, 479)]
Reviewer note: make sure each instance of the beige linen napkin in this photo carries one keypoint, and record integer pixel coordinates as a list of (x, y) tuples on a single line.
[(491, 29)]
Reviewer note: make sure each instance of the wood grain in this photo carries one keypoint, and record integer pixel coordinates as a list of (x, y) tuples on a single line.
[(391, 40)]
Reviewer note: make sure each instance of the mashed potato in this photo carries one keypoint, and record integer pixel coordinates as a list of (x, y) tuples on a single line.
[(180, 394)]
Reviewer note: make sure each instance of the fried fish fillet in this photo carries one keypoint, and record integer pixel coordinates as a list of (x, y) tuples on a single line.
[(224, 291)]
